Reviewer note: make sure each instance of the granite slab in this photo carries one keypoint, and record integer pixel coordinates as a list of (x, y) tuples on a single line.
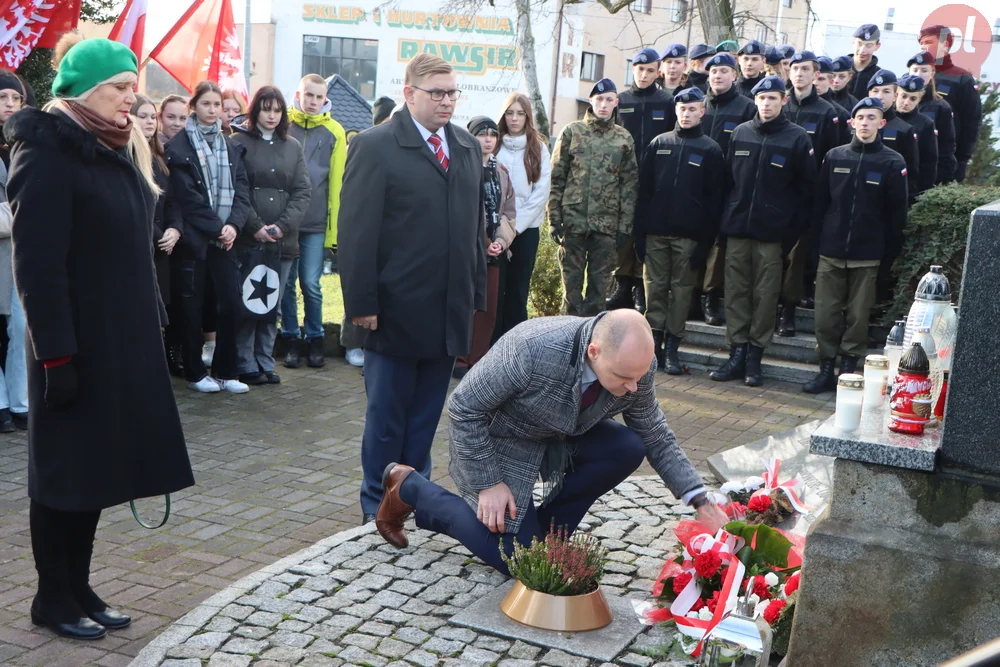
[(873, 442), (792, 449), (484, 615)]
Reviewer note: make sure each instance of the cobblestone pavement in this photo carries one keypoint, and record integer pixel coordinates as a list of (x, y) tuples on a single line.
[(278, 470), (359, 601)]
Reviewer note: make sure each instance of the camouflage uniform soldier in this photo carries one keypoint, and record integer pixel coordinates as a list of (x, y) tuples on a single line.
[(592, 201)]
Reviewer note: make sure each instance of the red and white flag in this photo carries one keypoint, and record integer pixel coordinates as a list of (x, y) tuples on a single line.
[(130, 28), (204, 44), (25, 24)]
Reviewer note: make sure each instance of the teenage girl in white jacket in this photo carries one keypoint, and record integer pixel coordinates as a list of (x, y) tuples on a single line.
[(525, 153)]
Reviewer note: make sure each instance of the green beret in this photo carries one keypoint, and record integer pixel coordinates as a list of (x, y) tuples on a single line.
[(91, 62)]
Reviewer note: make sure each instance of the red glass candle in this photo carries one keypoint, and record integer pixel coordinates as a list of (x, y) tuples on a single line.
[(912, 392), (939, 408)]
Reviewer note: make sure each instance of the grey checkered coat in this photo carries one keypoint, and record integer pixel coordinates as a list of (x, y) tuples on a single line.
[(524, 396)]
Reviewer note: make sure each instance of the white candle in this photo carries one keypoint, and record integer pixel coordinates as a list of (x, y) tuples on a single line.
[(850, 397)]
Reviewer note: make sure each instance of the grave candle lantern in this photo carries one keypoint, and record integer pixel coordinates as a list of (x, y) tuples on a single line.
[(911, 400)]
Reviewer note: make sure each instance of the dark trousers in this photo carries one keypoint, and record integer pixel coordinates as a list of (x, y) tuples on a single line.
[(221, 270), (515, 282), (405, 399), (602, 458), (484, 321), (62, 544)]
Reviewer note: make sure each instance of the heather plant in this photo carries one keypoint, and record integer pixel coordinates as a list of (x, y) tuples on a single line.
[(561, 564)]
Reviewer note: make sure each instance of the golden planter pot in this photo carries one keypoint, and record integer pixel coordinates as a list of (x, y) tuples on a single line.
[(562, 613)]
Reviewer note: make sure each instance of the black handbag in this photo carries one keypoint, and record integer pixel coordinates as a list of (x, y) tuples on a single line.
[(260, 271)]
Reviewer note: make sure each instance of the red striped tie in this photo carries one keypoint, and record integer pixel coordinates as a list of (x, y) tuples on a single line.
[(435, 142)]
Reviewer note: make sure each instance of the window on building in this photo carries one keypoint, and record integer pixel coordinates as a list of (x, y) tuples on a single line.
[(761, 33), (642, 6), (592, 67), (629, 79), (678, 10), (786, 3), (890, 19), (783, 38), (356, 60)]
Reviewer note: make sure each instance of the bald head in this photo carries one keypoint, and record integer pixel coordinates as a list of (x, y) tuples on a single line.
[(621, 350)]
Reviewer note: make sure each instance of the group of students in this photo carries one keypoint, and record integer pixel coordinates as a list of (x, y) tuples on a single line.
[(235, 179), (774, 178)]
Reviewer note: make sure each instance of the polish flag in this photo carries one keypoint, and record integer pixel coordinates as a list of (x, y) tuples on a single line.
[(202, 45), (131, 27), (27, 24)]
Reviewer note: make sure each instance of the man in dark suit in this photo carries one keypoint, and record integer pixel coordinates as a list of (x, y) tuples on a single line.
[(412, 266), (542, 403)]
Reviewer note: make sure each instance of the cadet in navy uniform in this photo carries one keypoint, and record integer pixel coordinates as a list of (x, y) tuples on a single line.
[(841, 82), (819, 119), (646, 111), (786, 51), (673, 62), (773, 177), (726, 109), (824, 75), (897, 134), (865, 62), (697, 69), (934, 106), (681, 186), (751, 58), (909, 90), (772, 63), (860, 212), (959, 87)]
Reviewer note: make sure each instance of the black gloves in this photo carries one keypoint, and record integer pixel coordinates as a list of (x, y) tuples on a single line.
[(60, 386)]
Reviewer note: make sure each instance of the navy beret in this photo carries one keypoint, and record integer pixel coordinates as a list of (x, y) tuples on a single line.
[(603, 86), (912, 83), (675, 51), (752, 48), (869, 32), (647, 55), (883, 77), (867, 103), (721, 60), (922, 58), (689, 95), (699, 51), (804, 57), (786, 51), (843, 64), (772, 56), (825, 65), (769, 84)]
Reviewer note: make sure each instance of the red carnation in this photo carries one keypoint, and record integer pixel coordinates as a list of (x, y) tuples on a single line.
[(760, 588), (714, 602), (759, 503), (773, 610), (792, 584), (698, 604), (707, 564), (681, 581)]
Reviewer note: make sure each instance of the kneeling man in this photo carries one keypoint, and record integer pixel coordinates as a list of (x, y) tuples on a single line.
[(540, 405)]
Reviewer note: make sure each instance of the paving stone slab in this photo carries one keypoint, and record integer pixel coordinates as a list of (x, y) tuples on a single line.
[(603, 644)]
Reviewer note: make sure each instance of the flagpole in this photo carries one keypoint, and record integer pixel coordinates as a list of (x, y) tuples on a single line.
[(246, 46)]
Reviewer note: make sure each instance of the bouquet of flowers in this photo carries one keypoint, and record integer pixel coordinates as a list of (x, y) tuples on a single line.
[(695, 590), (763, 500)]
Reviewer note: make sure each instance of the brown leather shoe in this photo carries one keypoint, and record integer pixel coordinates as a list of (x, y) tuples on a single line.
[(392, 511)]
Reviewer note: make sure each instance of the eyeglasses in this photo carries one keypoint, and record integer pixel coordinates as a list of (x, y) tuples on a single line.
[(437, 94), (11, 99)]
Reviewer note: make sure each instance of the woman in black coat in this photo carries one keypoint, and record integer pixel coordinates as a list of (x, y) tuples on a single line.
[(103, 426), (208, 183)]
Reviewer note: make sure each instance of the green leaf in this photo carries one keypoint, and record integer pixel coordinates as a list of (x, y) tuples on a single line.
[(770, 548)]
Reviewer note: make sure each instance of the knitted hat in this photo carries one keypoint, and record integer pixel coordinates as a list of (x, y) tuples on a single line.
[(912, 83), (480, 123), (675, 51), (382, 109), (689, 95), (89, 63), (883, 77), (603, 86), (868, 103), (10, 81), (699, 51), (769, 84), (721, 60)]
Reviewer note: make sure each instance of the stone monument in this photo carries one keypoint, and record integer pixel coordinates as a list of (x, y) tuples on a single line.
[(904, 566)]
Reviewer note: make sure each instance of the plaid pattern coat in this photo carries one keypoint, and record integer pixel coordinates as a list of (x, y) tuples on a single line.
[(524, 397)]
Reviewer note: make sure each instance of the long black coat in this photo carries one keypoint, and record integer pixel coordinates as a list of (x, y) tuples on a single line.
[(410, 239), (165, 216), (82, 262)]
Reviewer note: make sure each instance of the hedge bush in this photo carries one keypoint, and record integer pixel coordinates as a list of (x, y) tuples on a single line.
[(936, 233), (545, 297)]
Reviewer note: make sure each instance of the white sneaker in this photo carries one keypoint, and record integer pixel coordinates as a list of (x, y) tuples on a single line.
[(356, 357), (206, 385), (233, 386), (208, 353)]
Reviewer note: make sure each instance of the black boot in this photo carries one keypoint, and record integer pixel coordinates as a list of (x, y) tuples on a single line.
[(175, 356), (786, 324), (825, 380), (673, 363), (622, 296), (640, 296), (848, 364), (658, 349), (315, 358), (714, 314), (293, 358), (734, 368), (752, 375), (81, 547), (54, 605)]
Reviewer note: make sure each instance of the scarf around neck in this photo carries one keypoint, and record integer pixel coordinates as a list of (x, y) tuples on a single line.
[(107, 132), (213, 157)]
